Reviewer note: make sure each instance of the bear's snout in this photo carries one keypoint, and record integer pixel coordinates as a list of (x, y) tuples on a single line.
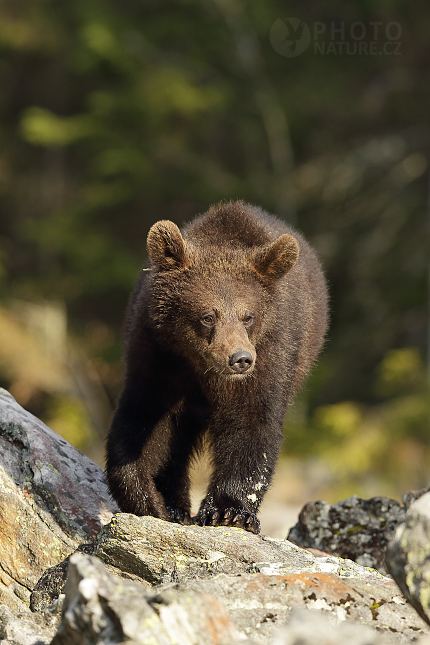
[(240, 361)]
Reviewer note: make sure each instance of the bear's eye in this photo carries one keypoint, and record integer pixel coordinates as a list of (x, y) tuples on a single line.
[(248, 320), (208, 320)]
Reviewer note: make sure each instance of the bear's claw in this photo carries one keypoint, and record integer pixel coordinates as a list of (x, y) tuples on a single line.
[(180, 516), (237, 517)]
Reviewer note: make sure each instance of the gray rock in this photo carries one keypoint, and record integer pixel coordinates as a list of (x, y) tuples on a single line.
[(412, 496), (52, 498), (154, 551), (408, 556), (355, 528), (51, 584), (257, 580), (25, 628), (55, 475), (159, 551), (260, 604), (101, 608), (162, 582), (315, 628)]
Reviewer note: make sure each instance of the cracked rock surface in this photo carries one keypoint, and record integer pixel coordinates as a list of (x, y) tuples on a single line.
[(257, 580), (101, 608), (25, 628), (154, 551), (316, 628), (260, 604), (52, 498), (408, 556), (159, 551), (355, 528), (142, 581)]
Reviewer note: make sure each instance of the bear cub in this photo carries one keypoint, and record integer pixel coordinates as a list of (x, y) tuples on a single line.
[(220, 332)]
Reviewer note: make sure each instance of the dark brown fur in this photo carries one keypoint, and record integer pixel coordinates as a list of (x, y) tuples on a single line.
[(237, 281)]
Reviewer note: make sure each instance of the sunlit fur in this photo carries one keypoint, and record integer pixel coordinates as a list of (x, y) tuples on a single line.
[(234, 280)]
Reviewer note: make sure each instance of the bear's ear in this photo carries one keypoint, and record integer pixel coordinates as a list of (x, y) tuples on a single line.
[(166, 246), (275, 260)]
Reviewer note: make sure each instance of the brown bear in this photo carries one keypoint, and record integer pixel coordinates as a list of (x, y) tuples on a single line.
[(221, 330)]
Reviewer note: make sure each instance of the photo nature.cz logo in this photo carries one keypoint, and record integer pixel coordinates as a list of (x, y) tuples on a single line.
[(290, 37)]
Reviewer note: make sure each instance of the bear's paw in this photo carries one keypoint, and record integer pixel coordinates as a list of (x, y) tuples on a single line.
[(237, 516), (179, 515)]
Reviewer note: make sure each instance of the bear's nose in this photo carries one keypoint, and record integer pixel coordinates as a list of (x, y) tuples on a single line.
[(240, 361)]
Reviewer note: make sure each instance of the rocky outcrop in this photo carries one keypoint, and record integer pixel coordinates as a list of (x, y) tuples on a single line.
[(316, 628), (256, 580), (101, 608), (159, 551), (358, 529), (25, 628), (52, 498), (408, 556), (154, 552), (412, 496), (142, 580), (259, 604)]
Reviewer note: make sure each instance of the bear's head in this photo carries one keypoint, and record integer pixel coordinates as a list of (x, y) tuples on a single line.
[(213, 304)]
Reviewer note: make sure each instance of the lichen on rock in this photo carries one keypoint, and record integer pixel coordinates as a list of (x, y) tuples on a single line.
[(142, 580), (408, 556), (52, 498)]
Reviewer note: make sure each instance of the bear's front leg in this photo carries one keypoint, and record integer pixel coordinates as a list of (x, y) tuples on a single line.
[(137, 445), (244, 462), (132, 461)]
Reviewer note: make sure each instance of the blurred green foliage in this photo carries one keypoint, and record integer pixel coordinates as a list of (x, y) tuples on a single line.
[(115, 115), (68, 417), (389, 440)]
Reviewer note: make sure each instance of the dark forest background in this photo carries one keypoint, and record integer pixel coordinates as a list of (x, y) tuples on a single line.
[(116, 114)]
